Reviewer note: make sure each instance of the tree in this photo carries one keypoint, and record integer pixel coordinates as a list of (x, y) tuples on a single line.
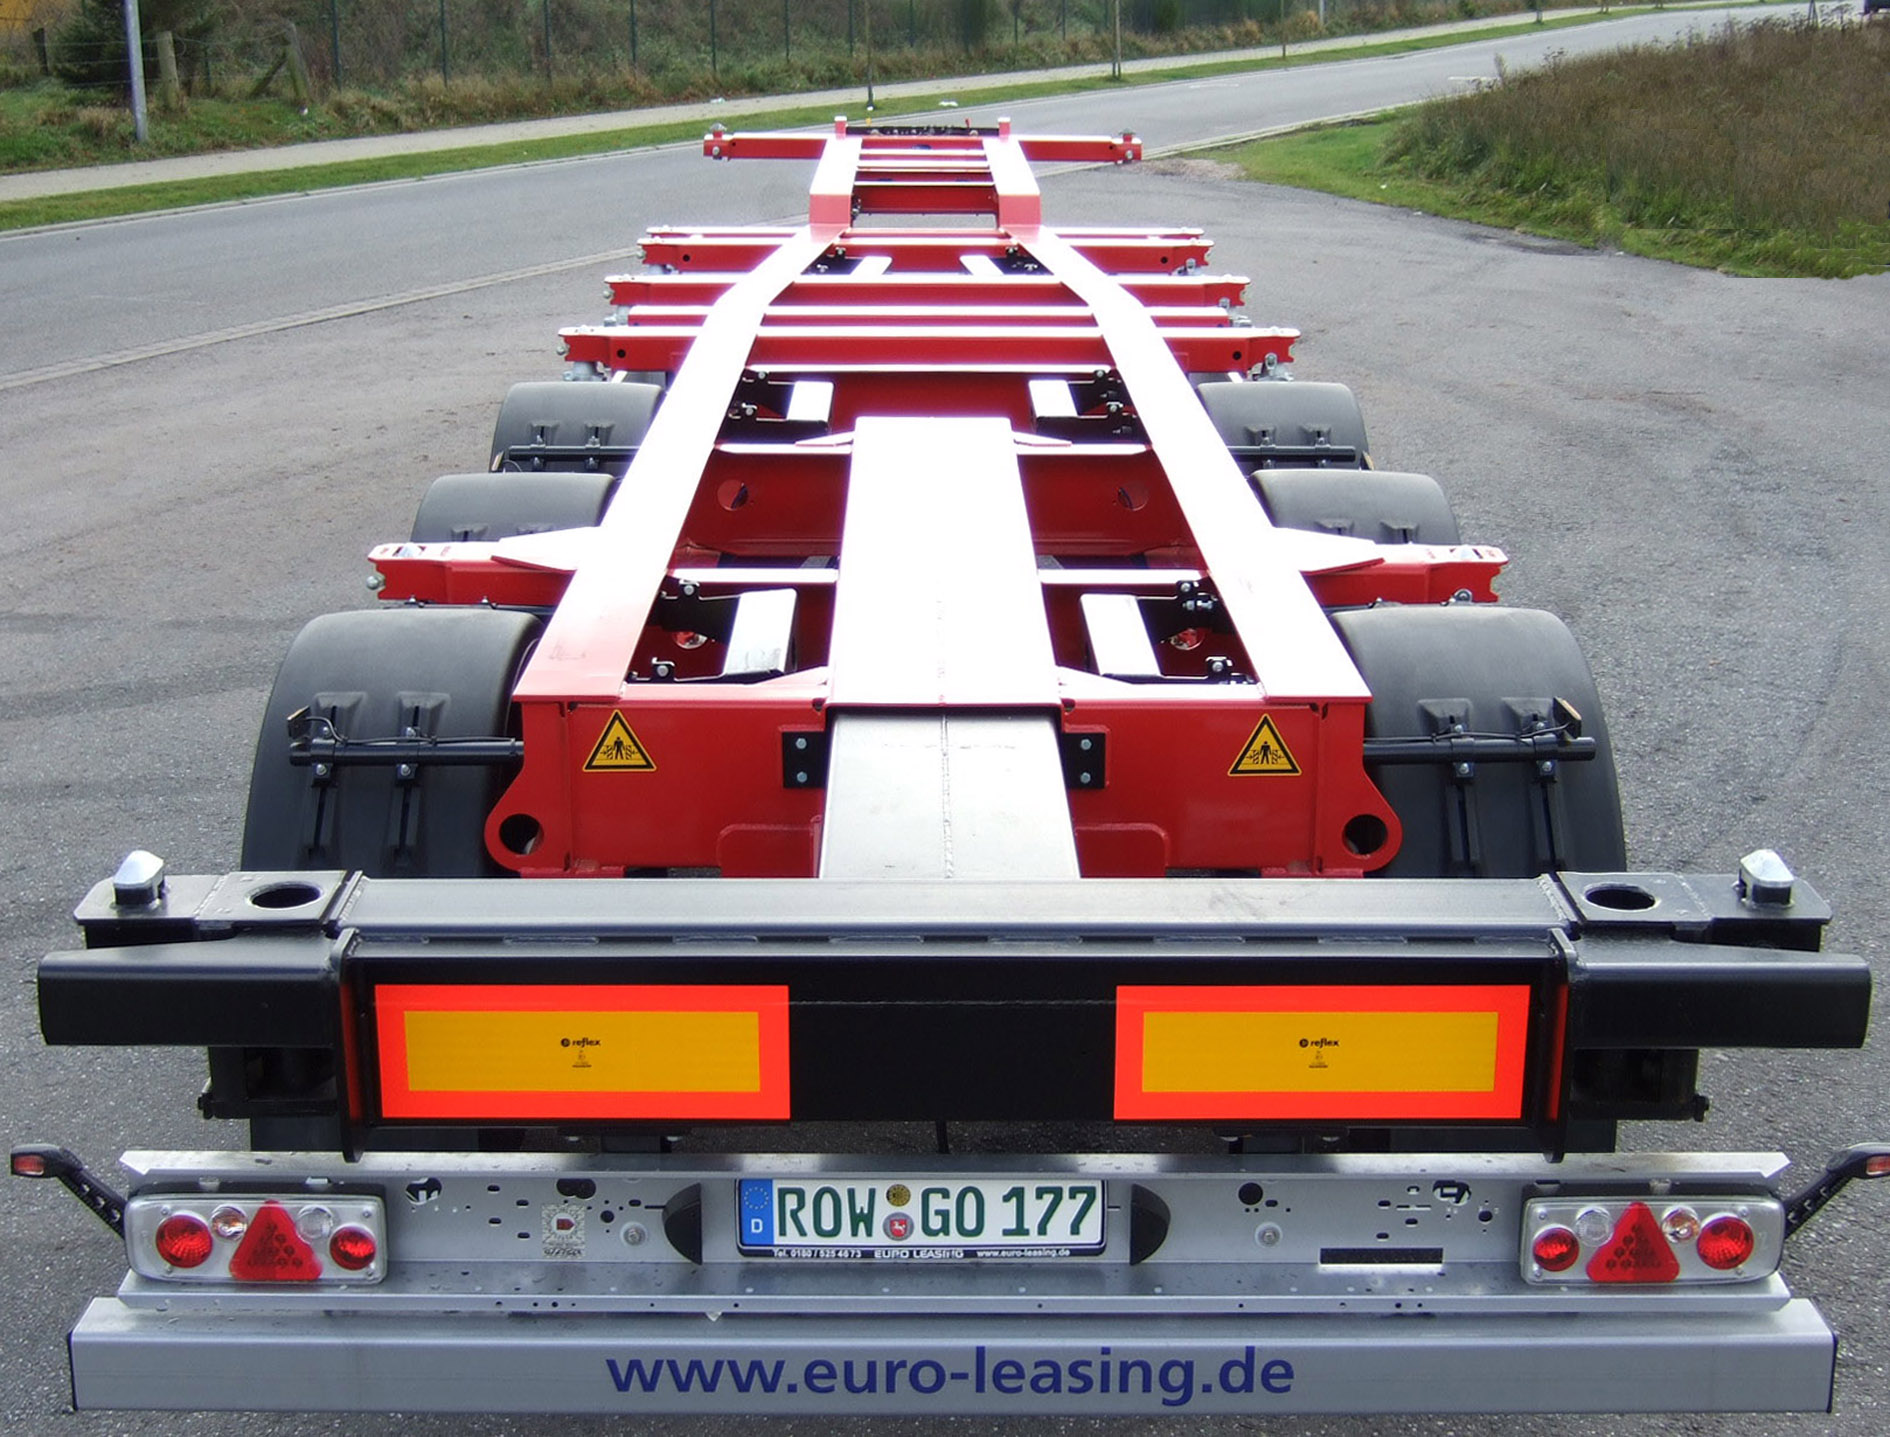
[(89, 49)]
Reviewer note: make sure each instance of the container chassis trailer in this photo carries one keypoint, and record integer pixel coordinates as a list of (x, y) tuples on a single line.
[(989, 701)]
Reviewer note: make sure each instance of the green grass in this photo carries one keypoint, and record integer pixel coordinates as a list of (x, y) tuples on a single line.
[(1762, 152), (224, 124)]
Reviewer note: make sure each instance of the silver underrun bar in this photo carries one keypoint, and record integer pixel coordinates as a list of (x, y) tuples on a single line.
[(1781, 1360)]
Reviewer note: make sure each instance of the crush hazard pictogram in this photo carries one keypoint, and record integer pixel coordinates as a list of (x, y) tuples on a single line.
[(618, 750), (1265, 753)]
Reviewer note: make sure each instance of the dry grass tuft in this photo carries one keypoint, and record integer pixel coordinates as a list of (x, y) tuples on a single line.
[(1769, 141)]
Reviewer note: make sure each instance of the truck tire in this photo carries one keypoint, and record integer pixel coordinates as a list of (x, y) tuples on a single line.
[(1279, 423), (490, 507), (1377, 504), (371, 673), (1497, 669), (555, 415)]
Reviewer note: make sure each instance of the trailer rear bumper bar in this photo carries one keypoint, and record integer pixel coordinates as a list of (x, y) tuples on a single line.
[(1777, 1360)]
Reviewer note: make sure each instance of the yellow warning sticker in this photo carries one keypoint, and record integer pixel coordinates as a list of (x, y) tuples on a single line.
[(1265, 753), (618, 751)]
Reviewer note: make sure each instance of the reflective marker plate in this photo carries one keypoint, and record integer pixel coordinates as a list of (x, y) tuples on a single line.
[(920, 1219)]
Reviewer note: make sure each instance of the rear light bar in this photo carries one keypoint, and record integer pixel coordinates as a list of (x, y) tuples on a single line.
[(258, 1238), (1591, 1241)]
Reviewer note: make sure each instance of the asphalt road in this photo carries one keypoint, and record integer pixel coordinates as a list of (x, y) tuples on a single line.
[(1685, 466)]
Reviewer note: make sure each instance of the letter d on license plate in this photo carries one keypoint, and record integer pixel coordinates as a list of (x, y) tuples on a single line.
[(1028, 1217)]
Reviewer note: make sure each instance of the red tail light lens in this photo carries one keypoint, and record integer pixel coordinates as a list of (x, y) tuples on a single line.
[(183, 1240), (1555, 1249), (1726, 1242), (353, 1248)]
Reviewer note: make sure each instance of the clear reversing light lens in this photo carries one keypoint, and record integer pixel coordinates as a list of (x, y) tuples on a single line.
[(1594, 1225), (183, 1240), (1555, 1249), (229, 1223), (314, 1222), (1726, 1242)]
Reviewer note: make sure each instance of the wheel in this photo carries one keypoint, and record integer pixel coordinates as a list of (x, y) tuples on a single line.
[(1283, 423), (448, 672), (586, 425), (1376, 504), (1496, 671), (490, 507)]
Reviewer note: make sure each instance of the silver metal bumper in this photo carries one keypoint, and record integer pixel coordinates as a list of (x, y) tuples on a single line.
[(1780, 1360)]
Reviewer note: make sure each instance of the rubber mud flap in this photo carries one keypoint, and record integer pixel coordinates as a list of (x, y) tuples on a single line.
[(1495, 670), (372, 673)]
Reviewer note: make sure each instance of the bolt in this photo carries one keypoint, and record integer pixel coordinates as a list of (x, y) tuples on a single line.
[(324, 770), (1268, 1234), (800, 743), (1462, 770), (635, 1234), (801, 776), (1085, 745), (1083, 779), (405, 771)]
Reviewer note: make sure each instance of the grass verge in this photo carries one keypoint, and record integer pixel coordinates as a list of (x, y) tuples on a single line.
[(1761, 152), (260, 184)]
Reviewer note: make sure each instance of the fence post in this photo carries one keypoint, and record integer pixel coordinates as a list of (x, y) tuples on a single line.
[(1115, 65), (866, 9), (334, 38), (633, 34), (446, 74), (39, 46), (298, 67), (715, 72), (134, 55), (547, 10), (787, 31), (170, 93)]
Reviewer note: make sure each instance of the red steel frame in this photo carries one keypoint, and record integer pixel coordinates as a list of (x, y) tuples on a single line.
[(1135, 498)]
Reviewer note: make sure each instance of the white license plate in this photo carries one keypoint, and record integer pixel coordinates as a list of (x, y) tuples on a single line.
[(919, 1218)]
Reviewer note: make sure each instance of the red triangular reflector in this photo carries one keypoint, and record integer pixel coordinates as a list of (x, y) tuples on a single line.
[(273, 1251), (1637, 1252)]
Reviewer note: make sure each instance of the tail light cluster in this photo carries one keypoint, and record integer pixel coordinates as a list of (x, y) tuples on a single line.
[(1585, 1241), (222, 1237)]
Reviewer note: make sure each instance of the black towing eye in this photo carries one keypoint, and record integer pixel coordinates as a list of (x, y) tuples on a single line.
[(44, 1160)]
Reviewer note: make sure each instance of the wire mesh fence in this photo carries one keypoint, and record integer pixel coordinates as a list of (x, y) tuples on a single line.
[(661, 48)]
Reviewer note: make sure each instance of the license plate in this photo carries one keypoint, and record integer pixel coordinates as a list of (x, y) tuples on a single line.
[(918, 1219)]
